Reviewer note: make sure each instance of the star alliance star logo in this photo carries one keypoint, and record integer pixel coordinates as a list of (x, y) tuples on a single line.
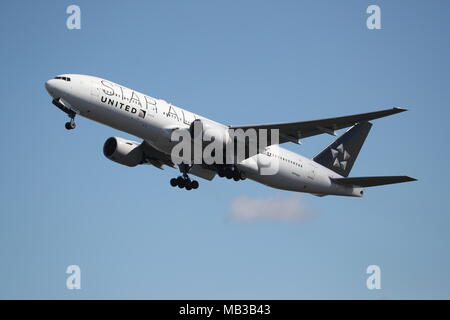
[(340, 153)]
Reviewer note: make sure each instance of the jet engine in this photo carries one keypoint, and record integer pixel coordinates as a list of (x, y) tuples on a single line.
[(126, 152)]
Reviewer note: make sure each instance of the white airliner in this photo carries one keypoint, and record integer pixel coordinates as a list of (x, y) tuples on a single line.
[(154, 120)]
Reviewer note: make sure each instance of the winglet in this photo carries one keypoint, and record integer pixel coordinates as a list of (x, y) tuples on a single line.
[(398, 109)]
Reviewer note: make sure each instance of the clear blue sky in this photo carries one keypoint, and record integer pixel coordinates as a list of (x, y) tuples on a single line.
[(134, 236)]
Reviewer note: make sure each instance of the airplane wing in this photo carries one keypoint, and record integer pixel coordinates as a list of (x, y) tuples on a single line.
[(293, 131)]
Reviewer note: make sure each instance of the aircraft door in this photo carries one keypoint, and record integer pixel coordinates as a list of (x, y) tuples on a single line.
[(95, 91)]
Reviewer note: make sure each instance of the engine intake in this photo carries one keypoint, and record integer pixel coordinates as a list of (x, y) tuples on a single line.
[(126, 152)]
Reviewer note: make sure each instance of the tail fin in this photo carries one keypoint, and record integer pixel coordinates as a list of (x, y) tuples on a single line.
[(341, 154)]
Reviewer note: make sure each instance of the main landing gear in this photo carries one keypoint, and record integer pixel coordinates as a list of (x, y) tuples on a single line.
[(70, 125), (231, 172), (184, 181)]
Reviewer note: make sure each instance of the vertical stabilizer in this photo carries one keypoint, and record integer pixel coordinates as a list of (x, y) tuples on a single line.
[(342, 153)]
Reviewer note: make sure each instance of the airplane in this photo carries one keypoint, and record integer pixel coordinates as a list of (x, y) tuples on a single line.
[(154, 120)]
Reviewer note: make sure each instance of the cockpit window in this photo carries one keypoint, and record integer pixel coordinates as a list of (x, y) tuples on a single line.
[(63, 78)]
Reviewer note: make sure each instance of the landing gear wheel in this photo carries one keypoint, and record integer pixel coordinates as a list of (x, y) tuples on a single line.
[(70, 125), (221, 172), (181, 182), (236, 175), (173, 182), (229, 173)]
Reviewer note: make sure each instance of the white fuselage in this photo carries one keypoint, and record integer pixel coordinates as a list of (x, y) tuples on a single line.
[(154, 119)]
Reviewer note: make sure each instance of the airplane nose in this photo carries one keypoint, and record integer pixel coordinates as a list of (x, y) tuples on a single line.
[(50, 86)]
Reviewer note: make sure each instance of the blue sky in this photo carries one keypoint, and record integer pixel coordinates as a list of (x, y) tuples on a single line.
[(134, 236)]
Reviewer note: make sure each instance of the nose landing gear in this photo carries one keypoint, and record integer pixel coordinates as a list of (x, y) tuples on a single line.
[(70, 125)]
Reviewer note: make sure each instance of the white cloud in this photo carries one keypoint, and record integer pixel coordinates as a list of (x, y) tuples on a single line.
[(284, 209)]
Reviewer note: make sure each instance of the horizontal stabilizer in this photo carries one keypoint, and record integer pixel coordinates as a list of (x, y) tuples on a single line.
[(372, 181)]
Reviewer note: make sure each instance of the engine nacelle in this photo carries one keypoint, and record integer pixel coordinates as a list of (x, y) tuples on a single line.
[(126, 152), (206, 129)]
